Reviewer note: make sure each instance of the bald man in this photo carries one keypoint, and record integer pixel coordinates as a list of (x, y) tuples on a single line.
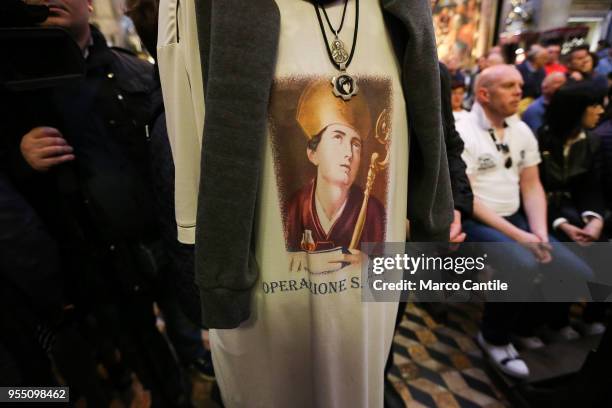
[(494, 59), (534, 114), (502, 157)]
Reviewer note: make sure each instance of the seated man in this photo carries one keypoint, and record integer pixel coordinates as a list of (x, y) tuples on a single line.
[(502, 157)]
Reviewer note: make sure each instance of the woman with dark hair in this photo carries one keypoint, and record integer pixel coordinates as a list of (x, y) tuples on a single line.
[(571, 175)]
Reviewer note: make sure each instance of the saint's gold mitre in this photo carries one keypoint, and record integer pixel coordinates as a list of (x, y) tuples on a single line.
[(319, 108)]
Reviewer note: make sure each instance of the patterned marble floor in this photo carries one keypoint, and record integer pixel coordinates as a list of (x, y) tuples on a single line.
[(438, 365)]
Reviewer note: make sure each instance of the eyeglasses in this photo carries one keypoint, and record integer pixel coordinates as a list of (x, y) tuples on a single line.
[(502, 147)]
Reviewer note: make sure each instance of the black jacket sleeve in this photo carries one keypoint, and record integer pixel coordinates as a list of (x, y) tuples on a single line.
[(588, 193), (462, 192)]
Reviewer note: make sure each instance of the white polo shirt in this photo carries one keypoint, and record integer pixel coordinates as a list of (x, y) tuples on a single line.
[(494, 184)]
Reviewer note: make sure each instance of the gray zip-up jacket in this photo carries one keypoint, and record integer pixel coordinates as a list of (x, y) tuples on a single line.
[(224, 53)]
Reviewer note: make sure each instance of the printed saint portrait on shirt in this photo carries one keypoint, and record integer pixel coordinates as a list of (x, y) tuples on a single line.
[(331, 163)]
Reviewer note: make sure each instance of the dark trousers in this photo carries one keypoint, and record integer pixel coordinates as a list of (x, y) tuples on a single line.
[(594, 311), (500, 319)]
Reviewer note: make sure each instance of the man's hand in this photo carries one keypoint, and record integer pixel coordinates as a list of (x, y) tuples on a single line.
[(45, 147), (542, 235), (541, 250), (456, 233), (592, 231)]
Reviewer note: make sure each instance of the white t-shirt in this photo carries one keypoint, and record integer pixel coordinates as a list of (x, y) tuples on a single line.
[(311, 341), (494, 184)]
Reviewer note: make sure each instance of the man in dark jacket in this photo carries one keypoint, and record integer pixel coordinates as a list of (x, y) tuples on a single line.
[(532, 71), (79, 154)]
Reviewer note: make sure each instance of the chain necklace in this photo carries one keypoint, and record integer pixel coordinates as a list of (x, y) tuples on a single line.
[(343, 85)]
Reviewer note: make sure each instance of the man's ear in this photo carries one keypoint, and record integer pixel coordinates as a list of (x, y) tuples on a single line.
[(482, 95), (90, 5)]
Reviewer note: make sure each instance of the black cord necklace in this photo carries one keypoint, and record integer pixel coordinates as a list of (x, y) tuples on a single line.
[(344, 85), (336, 32)]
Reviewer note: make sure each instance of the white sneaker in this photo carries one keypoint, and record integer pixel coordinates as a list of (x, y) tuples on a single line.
[(530, 343), (593, 329), (568, 334), (506, 358)]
